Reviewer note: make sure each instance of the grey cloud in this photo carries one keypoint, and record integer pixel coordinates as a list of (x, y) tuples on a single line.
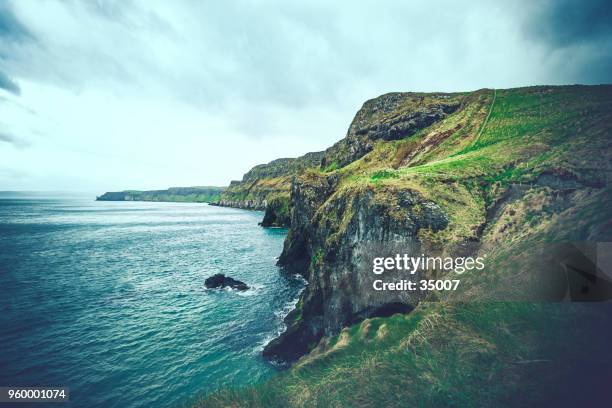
[(10, 27), (128, 13), (70, 54), (286, 75), (579, 32), (113, 10), (13, 140), (215, 55), (12, 31), (8, 84), (562, 23), (297, 55)]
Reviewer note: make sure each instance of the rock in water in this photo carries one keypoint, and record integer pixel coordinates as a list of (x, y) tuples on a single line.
[(219, 280)]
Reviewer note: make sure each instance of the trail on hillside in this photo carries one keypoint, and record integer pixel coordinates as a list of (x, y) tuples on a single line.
[(484, 124)]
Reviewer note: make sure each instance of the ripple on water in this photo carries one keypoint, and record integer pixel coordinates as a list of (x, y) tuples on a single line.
[(108, 298)]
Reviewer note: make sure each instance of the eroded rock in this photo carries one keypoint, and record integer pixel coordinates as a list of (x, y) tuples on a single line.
[(220, 281)]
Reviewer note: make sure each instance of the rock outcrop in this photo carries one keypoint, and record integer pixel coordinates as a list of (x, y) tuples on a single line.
[(332, 243), (425, 178), (335, 230), (266, 188), (517, 177), (277, 213), (391, 116), (220, 281)]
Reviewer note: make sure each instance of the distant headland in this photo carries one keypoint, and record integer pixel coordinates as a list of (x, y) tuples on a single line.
[(204, 194)]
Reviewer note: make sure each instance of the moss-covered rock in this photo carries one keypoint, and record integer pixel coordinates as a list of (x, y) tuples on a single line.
[(277, 212), (506, 174), (266, 188), (391, 116), (486, 155)]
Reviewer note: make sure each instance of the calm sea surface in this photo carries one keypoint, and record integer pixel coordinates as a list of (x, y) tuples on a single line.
[(108, 299)]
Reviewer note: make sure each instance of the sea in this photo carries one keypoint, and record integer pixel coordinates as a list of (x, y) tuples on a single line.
[(108, 299)]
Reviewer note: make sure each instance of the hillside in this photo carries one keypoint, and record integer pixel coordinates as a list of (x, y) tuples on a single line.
[(267, 186), (173, 194), (512, 175)]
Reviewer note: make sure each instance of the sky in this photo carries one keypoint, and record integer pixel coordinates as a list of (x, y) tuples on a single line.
[(110, 95)]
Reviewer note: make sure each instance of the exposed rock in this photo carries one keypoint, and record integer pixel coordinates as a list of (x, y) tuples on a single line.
[(219, 281), (335, 232), (389, 117), (266, 187), (513, 183), (266, 183), (308, 193), (283, 167), (277, 213), (446, 192), (334, 251)]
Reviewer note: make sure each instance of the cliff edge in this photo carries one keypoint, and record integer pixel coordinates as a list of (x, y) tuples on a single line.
[(266, 188), (485, 173)]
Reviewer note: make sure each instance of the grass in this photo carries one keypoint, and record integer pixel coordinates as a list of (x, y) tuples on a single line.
[(383, 174), (470, 349), (259, 190), (333, 166), (459, 355)]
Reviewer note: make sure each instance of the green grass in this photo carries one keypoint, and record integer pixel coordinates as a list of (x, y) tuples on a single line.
[(460, 355), (482, 353), (333, 166), (259, 190), (174, 194), (383, 174)]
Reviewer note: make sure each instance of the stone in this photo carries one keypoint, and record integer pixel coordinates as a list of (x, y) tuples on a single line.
[(219, 281)]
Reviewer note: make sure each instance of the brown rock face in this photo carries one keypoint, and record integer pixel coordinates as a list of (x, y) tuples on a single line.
[(335, 232), (332, 244), (389, 117)]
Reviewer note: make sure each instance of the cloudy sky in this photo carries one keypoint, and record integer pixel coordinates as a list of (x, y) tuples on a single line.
[(111, 95)]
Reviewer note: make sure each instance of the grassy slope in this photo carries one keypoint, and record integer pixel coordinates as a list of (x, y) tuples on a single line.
[(268, 188), (479, 353), (268, 183), (180, 198), (173, 194), (439, 355)]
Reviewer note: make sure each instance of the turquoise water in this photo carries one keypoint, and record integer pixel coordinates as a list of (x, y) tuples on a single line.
[(108, 299)]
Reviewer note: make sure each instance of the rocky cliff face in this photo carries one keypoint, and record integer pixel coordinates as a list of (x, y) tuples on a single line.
[(254, 194), (332, 242), (391, 116), (337, 228), (447, 176), (283, 167), (266, 188)]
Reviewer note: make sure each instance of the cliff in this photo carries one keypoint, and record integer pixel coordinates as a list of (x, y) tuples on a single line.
[(172, 194), (480, 173), (392, 116), (267, 186), (517, 176)]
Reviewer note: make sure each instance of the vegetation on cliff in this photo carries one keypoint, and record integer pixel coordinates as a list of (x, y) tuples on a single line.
[(504, 174), (391, 116), (173, 194), (266, 187)]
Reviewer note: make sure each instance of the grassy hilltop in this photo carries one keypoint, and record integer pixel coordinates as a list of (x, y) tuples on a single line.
[(173, 194), (502, 174)]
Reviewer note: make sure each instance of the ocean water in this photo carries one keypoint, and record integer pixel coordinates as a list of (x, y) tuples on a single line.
[(108, 299)]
